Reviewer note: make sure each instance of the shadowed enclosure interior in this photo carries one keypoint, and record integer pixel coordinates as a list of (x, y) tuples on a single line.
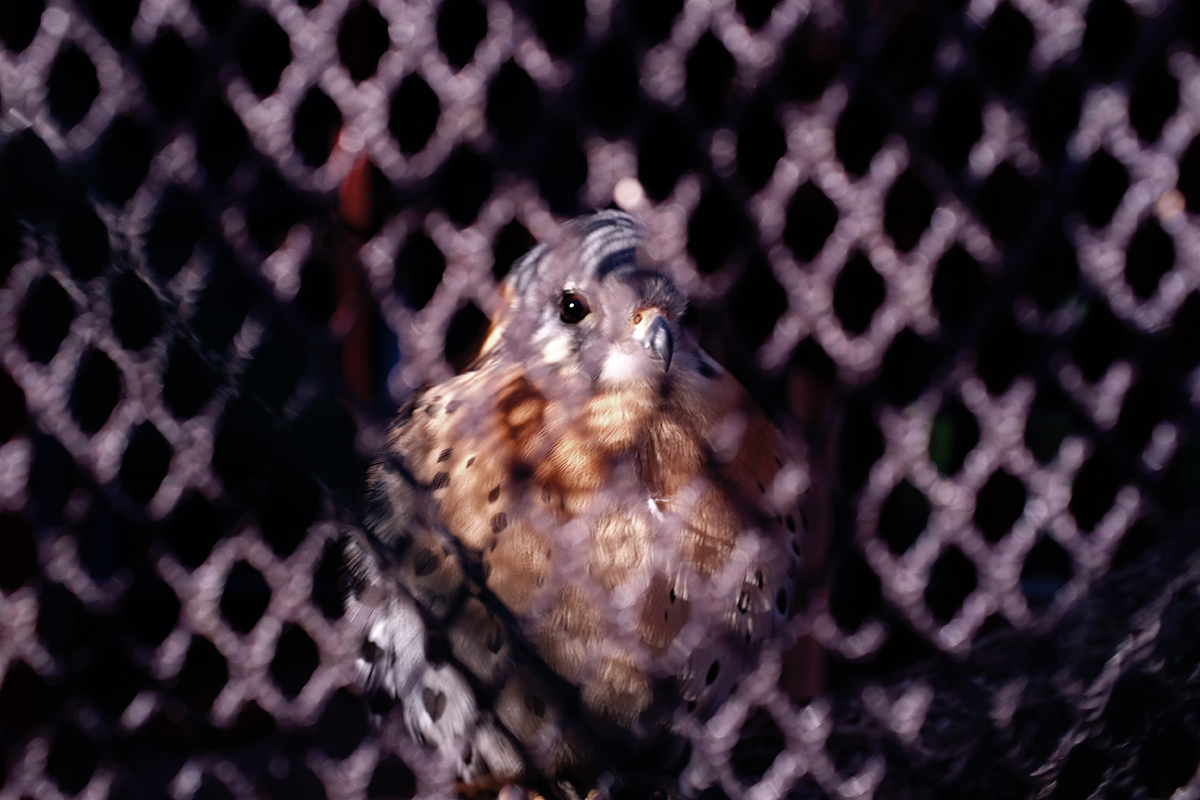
[(957, 244)]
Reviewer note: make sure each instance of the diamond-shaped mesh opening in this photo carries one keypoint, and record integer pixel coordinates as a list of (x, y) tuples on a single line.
[(72, 759), (950, 248), (414, 114), (1006, 201), (1150, 255), (1093, 491), (96, 390), (760, 741), (710, 72), (1005, 44), (20, 25), (170, 72), (1154, 99), (391, 778), (951, 580), (903, 516), (315, 127), (811, 218), (954, 433), (296, 657), (146, 462), (461, 26), (73, 87), (44, 320), (263, 52), (857, 294), (860, 131), (362, 40), (244, 598), (136, 316), (999, 504), (1046, 570)]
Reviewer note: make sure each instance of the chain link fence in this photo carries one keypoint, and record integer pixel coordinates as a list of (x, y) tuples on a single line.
[(954, 247)]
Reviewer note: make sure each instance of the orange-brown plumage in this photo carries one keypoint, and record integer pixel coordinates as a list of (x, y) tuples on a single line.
[(607, 485)]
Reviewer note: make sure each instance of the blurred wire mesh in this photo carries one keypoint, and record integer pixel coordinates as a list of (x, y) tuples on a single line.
[(953, 245)]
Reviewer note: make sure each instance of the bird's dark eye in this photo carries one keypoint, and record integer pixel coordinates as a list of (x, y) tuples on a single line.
[(572, 309)]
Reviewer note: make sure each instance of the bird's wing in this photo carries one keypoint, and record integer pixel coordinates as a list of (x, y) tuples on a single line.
[(441, 656)]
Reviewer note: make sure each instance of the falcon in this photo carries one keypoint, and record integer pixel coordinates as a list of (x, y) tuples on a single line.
[(583, 540)]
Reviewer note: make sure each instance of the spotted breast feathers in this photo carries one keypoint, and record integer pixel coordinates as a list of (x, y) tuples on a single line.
[(599, 494)]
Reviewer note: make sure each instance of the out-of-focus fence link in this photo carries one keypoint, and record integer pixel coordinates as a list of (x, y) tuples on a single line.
[(955, 244)]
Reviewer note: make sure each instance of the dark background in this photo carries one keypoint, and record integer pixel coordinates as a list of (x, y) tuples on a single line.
[(953, 247)]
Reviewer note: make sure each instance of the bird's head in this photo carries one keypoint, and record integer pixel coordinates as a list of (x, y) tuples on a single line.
[(591, 305)]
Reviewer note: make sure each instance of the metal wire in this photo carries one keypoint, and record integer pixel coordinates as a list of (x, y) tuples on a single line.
[(954, 245)]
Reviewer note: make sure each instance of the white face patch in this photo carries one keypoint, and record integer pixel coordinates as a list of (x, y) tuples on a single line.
[(556, 350), (621, 367)]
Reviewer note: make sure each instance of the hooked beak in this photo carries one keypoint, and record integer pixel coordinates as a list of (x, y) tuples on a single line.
[(650, 327)]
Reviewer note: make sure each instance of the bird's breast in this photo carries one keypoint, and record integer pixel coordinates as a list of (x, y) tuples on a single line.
[(609, 526)]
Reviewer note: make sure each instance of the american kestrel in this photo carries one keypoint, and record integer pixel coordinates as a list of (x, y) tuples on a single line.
[(587, 534)]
